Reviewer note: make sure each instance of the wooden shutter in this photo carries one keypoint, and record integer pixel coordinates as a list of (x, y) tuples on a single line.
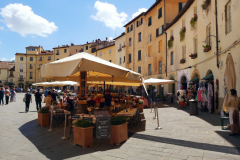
[(157, 31), (180, 6), (137, 23), (141, 21), (160, 13)]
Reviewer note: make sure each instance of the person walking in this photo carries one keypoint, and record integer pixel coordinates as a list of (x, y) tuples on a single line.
[(30, 89), (7, 92), (46, 92), (48, 100), (21, 89), (1, 96), (108, 100), (28, 97), (38, 99), (54, 95)]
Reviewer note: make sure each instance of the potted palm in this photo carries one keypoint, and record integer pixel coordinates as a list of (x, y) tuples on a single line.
[(43, 117), (119, 130), (83, 133)]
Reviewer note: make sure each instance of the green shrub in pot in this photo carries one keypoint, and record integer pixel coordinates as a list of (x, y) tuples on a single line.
[(118, 120), (83, 124)]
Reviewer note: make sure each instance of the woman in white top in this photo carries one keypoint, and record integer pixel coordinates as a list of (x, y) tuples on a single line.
[(233, 104)]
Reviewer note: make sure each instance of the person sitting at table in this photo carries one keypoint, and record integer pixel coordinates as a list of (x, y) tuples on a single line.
[(48, 100), (61, 104), (97, 100), (91, 102), (70, 106), (64, 98)]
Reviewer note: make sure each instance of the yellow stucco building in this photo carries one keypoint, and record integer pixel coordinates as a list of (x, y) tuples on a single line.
[(66, 50)]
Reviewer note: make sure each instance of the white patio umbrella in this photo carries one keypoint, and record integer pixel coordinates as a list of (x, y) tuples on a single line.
[(154, 81)]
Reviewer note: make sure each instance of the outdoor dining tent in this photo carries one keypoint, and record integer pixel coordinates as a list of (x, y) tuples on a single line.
[(57, 83), (97, 70)]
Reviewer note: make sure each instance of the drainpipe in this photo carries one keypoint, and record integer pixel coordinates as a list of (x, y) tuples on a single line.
[(165, 33), (134, 43), (216, 14), (166, 52)]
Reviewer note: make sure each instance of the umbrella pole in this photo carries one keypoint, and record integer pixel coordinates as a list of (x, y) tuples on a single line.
[(158, 120), (50, 130), (65, 124), (151, 106), (104, 87), (155, 111)]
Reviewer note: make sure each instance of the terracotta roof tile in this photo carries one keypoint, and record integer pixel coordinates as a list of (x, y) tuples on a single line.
[(4, 64)]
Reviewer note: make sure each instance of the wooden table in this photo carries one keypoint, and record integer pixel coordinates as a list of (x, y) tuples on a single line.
[(130, 113)]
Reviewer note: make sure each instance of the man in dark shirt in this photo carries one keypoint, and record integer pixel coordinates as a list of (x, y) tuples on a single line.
[(108, 100), (38, 99), (70, 106), (54, 95), (1, 95)]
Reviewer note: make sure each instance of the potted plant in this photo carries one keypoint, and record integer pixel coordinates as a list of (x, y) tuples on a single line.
[(170, 43), (43, 117), (182, 61), (164, 98), (193, 55), (119, 130), (83, 133), (140, 104), (182, 33), (207, 48), (171, 38), (193, 21)]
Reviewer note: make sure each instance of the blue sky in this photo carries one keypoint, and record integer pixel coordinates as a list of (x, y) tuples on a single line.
[(50, 23)]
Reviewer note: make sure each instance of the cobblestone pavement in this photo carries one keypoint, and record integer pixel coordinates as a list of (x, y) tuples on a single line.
[(182, 137)]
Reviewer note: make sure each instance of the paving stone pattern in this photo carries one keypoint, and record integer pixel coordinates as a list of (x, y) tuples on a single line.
[(182, 137)]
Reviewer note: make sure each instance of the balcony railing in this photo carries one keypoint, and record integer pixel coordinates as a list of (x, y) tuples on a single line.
[(21, 79), (120, 49), (57, 53), (40, 59), (11, 75)]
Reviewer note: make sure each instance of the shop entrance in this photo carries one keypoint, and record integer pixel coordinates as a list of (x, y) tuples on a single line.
[(171, 87), (184, 82)]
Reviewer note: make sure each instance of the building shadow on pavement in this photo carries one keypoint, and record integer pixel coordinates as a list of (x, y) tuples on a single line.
[(194, 145), (52, 146)]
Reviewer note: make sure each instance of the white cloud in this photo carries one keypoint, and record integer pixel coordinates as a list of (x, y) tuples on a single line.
[(12, 59), (21, 19), (108, 14), (1, 27), (110, 38), (3, 59), (139, 12)]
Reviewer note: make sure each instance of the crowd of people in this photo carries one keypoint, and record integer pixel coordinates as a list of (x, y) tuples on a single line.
[(10, 95)]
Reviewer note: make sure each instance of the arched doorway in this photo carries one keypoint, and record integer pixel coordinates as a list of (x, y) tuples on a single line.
[(184, 81), (161, 88), (21, 85), (171, 87)]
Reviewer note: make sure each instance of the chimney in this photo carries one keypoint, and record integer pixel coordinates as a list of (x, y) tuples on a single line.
[(106, 38), (72, 44)]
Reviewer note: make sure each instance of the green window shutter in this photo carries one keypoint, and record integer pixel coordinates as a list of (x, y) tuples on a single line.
[(180, 7)]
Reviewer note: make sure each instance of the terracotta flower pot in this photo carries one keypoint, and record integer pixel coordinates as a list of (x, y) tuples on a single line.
[(43, 119), (83, 136), (118, 133), (141, 107)]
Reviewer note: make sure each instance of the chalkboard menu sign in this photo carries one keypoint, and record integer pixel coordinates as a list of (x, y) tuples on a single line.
[(103, 127)]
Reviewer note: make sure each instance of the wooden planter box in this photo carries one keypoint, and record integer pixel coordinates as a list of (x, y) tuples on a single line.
[(118, 133), (83, 136), (140, 106), (207, 49), (43, 119)]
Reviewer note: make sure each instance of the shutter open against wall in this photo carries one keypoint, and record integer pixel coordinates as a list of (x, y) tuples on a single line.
[(157, 31), (141, 21), (180, 7), (137, 23)]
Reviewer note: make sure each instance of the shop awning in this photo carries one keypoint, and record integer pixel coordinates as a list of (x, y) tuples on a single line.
[(196, 79), (208, 77)]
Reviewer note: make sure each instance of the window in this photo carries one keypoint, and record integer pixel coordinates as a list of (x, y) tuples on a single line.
[(21, 58), (110, 60), (171, 33), (128, 30), (31, 58), (150, 38), (110, 51), (130, 60), (57, 59), (20, 76), (209, 41), (100, 53), (21, 67), (123, 59), (40, 58), (131, 28), (183, 23), (49, 57), (65, 50), (141, 21), (195, 45), (172, 58), (137, 23), (149, 21), (160, 46), (57, 51), (31, 66), (159, 31), (11, 80), (181, 5), (184, 52), (149, 69), (76, 50), (149, 51), (228, 18), (139, 69), (31, 49), (130, 41), (93, 50), (86, 47), (120, 61), (160, 67), (160, 13), (40, 66), (139, 37), (139, 55), (120, 46), (30, 76), (195, 10)]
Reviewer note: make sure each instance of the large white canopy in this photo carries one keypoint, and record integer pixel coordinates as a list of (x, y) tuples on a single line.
[(154, 81), (97, 69), (57, 83)]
